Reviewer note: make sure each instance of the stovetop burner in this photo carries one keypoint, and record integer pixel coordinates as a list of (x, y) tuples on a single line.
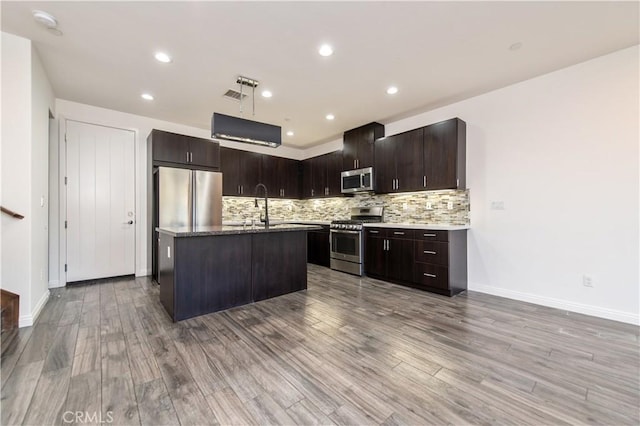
[(359, 215)]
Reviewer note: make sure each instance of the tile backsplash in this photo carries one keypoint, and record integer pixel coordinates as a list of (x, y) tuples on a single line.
[(398, 208)]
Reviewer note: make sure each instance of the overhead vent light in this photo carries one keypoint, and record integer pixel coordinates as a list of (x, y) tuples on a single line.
[(226, 127), (234, 94)]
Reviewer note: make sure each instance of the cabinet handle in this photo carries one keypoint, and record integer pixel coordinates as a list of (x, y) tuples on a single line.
[(424, 181), (374, 232), (429, 275), (398, 233), (187, 156), (428, 235), (429, 252), (312, 192), (397, 183), (191, 157), (357, 163), (354, 164)]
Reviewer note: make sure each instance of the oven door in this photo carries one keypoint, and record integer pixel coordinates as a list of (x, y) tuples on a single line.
[(346, 245)]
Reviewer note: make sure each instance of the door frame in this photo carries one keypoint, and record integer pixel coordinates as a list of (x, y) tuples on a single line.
[(62, 193)]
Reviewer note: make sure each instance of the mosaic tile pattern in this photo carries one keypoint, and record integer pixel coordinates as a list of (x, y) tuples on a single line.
[(398, 208)]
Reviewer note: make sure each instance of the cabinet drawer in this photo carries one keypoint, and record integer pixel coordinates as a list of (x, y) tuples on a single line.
[(430, 235), (376, 232), (400, 233), (434, 252), (431, 275)]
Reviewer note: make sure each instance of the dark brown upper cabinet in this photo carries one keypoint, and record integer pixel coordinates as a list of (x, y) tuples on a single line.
[(281, 176), (358, 146), (241, 171), (398, 162), (180, 150), (444, 160), (321, 175), (428, 158)]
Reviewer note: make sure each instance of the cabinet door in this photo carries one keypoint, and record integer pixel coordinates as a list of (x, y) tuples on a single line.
[(290, 178), (204, 152), (375, 259), (307, 181), (230, 168), (319, 175), (250, 165), (169, 147), (400, 259), (365, 145), (409, 157), (384, 169), (440, 154), (350, 144), (271, 169), (334, 167)]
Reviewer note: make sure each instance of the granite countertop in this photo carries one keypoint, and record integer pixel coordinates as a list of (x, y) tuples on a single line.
[(282, 221), (203, 231), (438, 227)]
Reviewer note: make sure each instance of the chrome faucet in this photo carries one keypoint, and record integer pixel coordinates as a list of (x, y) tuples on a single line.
[(266, 204)]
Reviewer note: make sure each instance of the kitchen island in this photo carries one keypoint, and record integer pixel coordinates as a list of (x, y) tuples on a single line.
[(212, 268)]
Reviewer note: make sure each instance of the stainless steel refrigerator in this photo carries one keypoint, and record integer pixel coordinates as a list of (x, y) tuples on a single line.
[(185, 198)]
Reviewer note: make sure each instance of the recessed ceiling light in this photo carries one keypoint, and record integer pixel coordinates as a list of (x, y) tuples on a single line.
[(44, 18), (330, 116), (392, 90), (325, 50), (163, 57), (515, 46), (266, 94), (146, 96), (289, 133)]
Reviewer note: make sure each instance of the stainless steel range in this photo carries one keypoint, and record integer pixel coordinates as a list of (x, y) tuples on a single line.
[(347, 239)]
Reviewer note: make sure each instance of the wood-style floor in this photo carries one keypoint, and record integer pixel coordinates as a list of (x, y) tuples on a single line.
[(346, 351)]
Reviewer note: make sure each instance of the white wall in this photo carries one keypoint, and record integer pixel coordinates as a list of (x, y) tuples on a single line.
[(26, 100), (16, 167), (561, 152), (42, 103)]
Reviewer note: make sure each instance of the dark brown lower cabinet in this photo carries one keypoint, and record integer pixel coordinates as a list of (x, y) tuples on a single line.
[(318, 247), (430, 260), (204, 274)]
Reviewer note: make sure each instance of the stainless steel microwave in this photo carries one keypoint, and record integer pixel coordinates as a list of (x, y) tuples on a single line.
[(360, 180)]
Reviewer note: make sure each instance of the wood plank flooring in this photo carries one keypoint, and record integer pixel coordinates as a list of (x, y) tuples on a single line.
[(347, 351)]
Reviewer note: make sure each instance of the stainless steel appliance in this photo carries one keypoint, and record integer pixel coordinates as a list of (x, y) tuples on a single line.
[(347, 239), (185, 198), (360, 180)]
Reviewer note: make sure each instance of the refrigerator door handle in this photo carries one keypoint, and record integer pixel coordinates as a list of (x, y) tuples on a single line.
[(192, 199)]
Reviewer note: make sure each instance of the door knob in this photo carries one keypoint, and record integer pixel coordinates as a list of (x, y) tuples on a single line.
[(130, 222)]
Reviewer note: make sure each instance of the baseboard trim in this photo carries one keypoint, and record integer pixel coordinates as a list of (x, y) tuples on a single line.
[(55, 284), (143, 272), (28, 320), (595, 311)]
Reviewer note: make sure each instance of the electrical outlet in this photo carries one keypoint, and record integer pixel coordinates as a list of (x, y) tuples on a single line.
[(497, 205), (429, 205), (587, 280), (450, 205), (42, 201), (404, 206)]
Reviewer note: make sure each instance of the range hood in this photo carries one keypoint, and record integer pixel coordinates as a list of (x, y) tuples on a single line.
[(226, 127)]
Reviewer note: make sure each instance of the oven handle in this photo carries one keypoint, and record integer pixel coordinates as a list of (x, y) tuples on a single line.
[(339, 231)]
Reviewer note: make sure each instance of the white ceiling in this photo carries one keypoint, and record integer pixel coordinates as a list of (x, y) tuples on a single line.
[(435, 52)]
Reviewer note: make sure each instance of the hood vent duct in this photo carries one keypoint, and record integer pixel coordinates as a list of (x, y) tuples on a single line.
[(226, 127)]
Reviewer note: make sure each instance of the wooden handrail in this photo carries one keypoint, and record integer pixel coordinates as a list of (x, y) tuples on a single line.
[(11, 213)]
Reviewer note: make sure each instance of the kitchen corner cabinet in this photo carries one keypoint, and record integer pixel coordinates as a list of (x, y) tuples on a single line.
[(395, 162), (444, 160), (172, 149), (358, 148), (321, 176), (429, 260), (241, 171)]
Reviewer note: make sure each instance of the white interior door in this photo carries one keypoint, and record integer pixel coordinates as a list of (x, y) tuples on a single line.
[(100, 201)]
